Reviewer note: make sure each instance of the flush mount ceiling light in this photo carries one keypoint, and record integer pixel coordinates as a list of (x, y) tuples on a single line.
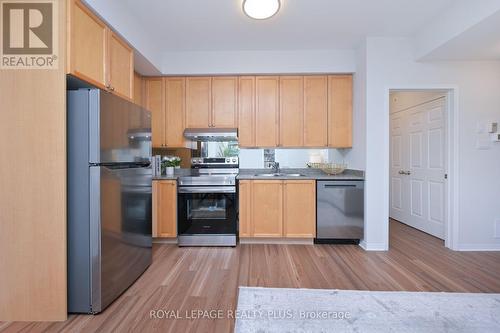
[(261, 9)]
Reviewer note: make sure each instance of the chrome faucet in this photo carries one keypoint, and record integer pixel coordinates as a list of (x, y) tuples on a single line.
[(276, 167)]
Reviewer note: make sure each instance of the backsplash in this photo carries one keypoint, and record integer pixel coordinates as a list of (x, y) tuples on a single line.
[(287, 158)]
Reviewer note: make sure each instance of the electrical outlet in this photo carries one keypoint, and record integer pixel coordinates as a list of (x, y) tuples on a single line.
[(497, 228)]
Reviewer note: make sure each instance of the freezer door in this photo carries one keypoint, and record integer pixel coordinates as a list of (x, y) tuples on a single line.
[(121, 216), (340, 210), (120, 131)]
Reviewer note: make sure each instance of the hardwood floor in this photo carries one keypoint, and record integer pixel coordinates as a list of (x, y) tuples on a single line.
[(208, 279)]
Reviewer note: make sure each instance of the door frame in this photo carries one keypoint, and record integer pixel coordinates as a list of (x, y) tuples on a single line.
[(452, 156)]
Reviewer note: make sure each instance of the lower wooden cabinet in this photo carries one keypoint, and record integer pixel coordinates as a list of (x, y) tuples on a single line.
[(277, 208), (164, 208)]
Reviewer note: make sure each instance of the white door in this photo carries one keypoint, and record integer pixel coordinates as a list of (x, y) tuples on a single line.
[(418, 167)]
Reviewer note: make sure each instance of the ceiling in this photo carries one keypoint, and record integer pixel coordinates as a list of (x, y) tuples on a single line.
[(220, 25)]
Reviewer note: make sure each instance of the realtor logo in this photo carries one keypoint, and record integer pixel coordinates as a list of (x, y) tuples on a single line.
[(29, 34)]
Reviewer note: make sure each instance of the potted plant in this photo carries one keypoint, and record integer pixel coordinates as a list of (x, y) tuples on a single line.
[(169, 163)]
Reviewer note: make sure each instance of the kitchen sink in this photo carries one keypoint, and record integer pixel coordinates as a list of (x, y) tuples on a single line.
[(279, 175)]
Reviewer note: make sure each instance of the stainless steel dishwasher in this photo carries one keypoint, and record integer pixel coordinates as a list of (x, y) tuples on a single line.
[(340, 212)]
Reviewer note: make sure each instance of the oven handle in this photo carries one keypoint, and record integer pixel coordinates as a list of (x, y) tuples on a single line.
[(204, 189)]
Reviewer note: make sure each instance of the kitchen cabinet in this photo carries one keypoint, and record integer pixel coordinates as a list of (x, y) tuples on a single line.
[(245, 208), (139, 90), (224, 102), (164, 208), (277, 208), (315, 111), (267, 208), (96, 54), (291, 124), (175, 111), (155, 103), (266, 111), (87, 36), (198, 102), (246, 111), (340, 111), (299, 208)]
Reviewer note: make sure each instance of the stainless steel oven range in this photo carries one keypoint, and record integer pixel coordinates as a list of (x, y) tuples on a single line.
[(207, 203)]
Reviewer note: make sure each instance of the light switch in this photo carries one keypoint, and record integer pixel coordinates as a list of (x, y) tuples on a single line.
[(492, 127)]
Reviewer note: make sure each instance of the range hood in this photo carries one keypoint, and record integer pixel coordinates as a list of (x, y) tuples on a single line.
[(211, 134)]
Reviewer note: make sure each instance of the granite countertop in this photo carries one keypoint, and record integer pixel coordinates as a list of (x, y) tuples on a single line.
[(308, 173), (249, 174)]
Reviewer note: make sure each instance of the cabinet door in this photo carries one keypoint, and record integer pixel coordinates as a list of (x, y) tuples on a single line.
[(175, 111), (267, 208), (246, 111), (266, 111), (224, 101), (155, 104), (164, 208), (198, 102), (340, 111), (120, 66), (291, 125), (139, 90), (315, 111), (245, 208), (87, 45), (299, 208)]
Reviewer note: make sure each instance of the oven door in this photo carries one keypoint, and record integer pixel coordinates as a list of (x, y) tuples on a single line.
[(206, 210)]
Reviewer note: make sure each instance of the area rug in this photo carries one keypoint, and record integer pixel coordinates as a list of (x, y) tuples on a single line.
[(320, 310)]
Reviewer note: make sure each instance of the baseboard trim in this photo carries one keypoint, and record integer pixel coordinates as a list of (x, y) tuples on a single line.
[(172, 240), (373, 246), (290, 241), (478, 247)]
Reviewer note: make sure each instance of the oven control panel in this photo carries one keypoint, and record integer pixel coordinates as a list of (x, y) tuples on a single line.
[(215, 161)]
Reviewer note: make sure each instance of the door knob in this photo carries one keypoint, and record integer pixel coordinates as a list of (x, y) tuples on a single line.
[(401, 172)]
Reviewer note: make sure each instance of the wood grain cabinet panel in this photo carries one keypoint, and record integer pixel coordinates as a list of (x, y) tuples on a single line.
[(87, 45), (245, 208), (315, 111), (121, 66), (291, 125), (299, 208), (246, 111), (164, 208), (198, 102), (267, 208), (340, 111), (266, 111), (224, 101), (175, 111), (139, 90), (155, 104)]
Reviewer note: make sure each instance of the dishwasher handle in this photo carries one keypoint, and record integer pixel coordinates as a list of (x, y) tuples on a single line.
[(341, 184)]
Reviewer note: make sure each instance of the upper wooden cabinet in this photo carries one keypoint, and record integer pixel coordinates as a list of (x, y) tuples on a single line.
[(155, 103), (139, 90), (164, 208), (340, 111), (87, 40), (121, 66), (246, 111), (291, 124), (175, 111), (267, 111), (96, 54), (224, 101), (198, 102), (315, 111)]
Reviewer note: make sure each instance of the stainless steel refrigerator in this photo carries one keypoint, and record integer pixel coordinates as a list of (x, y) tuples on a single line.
[(109, 197)]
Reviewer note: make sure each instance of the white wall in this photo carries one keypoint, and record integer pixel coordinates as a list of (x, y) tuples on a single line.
[(390, 64), (259, 62)]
